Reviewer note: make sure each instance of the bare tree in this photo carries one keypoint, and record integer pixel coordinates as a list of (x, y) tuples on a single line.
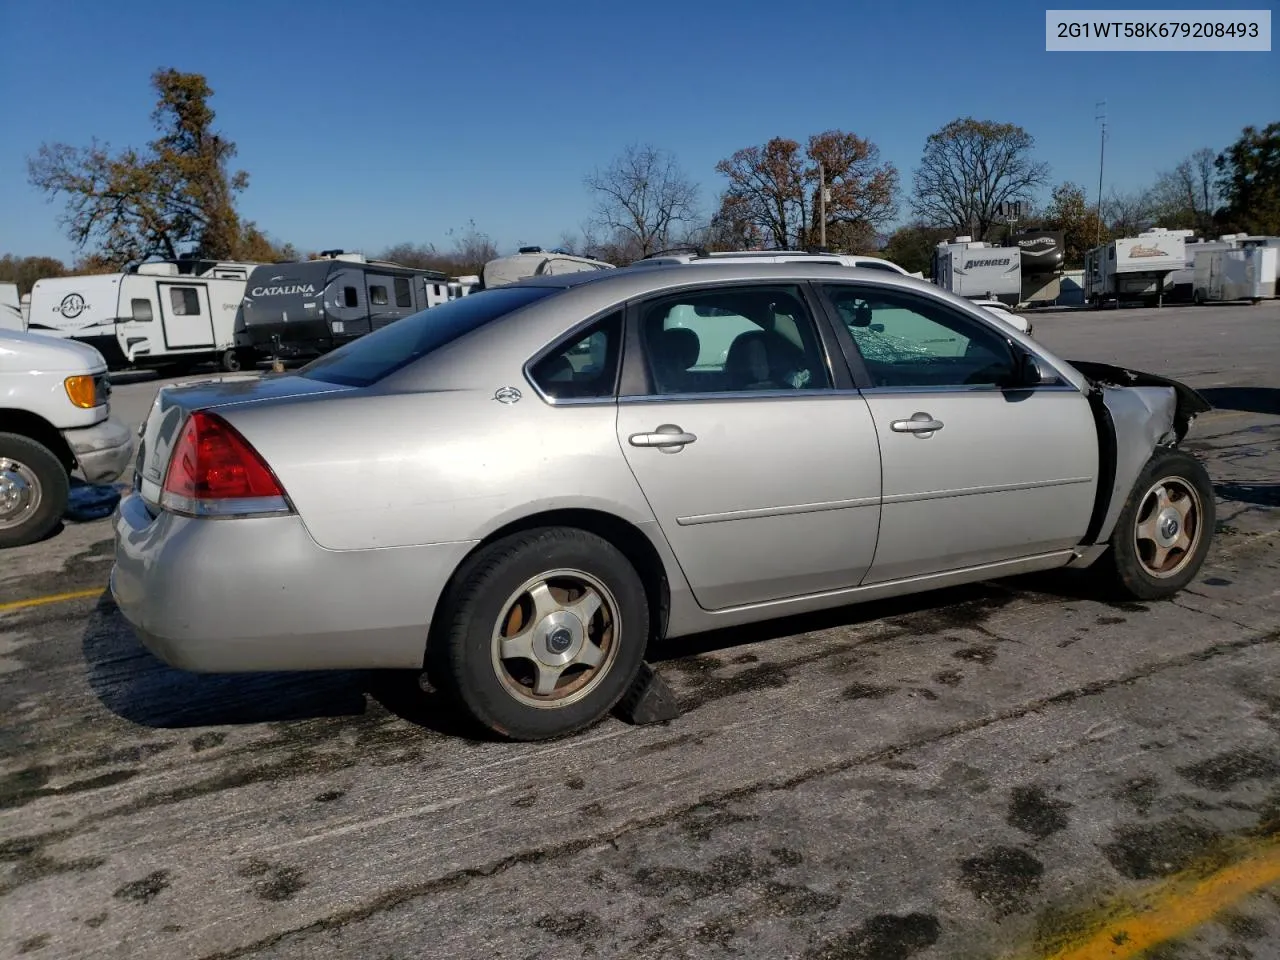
[(643, 195), (1187, 195), (568, 242), (1128, 214), (970, 167)]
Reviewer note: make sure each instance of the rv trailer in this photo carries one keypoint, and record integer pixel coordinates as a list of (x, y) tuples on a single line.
[(302, 310), (977, 271), (1133, 268), (1180, 286), (10, 308), (535, 262), (1245, 273), (1042, 255), (164, 313)]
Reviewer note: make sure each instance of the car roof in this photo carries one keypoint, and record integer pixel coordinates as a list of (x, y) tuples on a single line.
[(636, 280)]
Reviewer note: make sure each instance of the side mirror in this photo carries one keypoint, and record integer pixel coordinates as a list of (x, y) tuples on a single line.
[(1032, 372)]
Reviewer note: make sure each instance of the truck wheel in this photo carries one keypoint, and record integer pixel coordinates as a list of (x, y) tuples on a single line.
[(230, 360), (1164, 531), (541, 633), (34, 488)]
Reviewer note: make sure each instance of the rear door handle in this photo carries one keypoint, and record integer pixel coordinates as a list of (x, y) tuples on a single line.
[(668, 437), (921, 424)]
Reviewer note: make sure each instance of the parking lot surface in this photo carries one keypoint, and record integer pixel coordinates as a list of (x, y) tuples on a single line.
[(1013, 769)]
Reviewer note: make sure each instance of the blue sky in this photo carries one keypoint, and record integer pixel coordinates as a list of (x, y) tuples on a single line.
[(368, 124)]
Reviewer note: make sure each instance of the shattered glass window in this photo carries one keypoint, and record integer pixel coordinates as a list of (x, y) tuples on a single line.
[(908, 341)]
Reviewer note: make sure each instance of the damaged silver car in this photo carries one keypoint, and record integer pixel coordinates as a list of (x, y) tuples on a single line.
[(520, 490)]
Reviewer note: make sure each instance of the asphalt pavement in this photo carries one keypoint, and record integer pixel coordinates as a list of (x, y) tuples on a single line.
[(1012, 769)]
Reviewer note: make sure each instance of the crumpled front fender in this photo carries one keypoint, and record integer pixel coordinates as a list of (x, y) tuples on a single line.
[(1136, 412)]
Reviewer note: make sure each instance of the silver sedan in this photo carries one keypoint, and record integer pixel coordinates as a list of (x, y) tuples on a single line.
[(519, 490)]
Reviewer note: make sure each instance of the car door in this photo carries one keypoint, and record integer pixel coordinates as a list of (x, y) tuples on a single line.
[(758, 459), (185, 316), (974, 472)]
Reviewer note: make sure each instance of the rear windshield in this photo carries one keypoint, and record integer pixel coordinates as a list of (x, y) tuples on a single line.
[(367, 360)]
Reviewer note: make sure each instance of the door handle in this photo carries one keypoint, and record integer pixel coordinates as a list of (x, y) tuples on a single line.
[(668, 437), (921, 424)]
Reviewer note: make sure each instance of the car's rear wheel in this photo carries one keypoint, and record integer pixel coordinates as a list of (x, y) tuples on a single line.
[(34, 488), (1165, 529), (541, 633)]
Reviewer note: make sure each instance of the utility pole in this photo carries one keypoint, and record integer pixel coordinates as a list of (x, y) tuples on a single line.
[(822, 206), (1101, 115)]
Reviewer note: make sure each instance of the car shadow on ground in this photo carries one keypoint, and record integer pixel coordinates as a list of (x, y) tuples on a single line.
[(1244, 399), (137, 686), (927, 612)]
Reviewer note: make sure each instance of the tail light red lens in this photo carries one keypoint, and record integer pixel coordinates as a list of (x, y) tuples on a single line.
[(213, 464)]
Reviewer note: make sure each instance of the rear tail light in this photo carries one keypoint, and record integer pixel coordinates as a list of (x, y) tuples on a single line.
[(214, 472)]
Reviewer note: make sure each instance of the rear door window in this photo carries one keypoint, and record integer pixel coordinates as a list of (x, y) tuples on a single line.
[(367, 360), (584, 367)]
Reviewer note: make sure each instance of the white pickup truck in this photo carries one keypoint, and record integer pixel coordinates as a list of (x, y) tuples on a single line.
[(55, 417)]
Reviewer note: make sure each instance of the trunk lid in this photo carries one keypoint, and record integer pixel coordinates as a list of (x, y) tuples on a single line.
[(169, 410)]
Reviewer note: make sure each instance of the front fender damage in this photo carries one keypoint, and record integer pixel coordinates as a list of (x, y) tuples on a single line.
[(1190, 403), (1136, 413)]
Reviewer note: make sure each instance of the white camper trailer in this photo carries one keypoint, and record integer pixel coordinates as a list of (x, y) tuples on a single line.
[(1133, 268), (10, 308), (536, 262), (1180, 284), (1246, 273), (169, 313), (978, 271)]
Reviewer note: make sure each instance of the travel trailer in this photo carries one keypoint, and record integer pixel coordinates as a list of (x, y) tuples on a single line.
[(978, 271), (1244, 273), (536, 262), (166, 313), (1041, 253), (1181, 283), (298, 311), (10, 308), (1133, 268)]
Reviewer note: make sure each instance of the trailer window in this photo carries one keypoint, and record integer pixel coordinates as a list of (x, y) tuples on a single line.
[(141, 309), (378, 295), (350, 297), (403, 299), (185, 301)]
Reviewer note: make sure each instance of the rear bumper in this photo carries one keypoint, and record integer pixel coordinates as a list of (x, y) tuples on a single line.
[(231, 596), (102, 451)]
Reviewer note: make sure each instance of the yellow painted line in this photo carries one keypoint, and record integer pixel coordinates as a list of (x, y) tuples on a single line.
[(51, 598), (1176, 907)]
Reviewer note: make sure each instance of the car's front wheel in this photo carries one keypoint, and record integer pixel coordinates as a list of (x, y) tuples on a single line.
[(1165, 529), (541, 633)]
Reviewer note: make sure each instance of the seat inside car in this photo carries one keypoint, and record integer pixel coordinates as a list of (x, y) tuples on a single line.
[(674, 351), (763, 360)]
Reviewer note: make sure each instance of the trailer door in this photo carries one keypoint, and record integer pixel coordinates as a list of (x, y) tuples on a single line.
[(185, 316)]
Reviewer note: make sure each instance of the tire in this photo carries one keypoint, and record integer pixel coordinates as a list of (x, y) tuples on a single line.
[(1130, 567), (230, 360), (34, 489), (492, 597)]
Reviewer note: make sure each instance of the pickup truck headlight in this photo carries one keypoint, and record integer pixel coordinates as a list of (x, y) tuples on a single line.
[(84, 392)]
